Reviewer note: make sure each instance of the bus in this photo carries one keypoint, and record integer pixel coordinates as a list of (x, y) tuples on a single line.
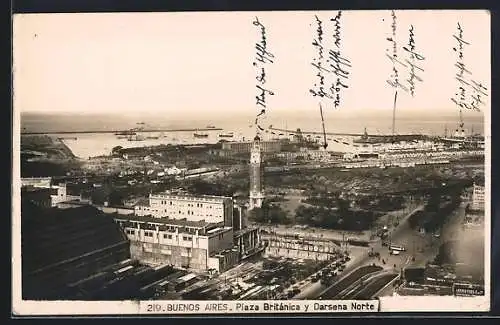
[(185, 281), (127, 270), (394, 247)]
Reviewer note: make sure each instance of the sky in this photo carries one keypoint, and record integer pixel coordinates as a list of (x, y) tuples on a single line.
[(191, 64)]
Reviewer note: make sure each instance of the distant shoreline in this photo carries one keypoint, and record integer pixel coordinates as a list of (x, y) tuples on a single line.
[(116, 131)]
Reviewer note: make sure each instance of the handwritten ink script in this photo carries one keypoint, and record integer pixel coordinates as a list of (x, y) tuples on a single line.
[(410, 61), (338, 63), (330, 65), (392, 55), (318, 62), (413, 57), (470, 92), (263, 57)]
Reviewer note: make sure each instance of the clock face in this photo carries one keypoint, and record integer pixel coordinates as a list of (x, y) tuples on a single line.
[(255, 157)]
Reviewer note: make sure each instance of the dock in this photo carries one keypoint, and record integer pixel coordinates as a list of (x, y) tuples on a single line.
[(117, 131)]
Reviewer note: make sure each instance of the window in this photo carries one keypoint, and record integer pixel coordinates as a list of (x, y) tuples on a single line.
[(187, 238), (167, 236), (170, 202), (148, 234)]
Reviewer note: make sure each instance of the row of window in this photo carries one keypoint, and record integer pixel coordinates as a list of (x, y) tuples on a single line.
[(198, 205), (189, 212), (166, 236), (185, 238), (147, 226)]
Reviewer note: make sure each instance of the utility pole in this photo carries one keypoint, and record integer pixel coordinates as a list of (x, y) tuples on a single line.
[(394, 114)]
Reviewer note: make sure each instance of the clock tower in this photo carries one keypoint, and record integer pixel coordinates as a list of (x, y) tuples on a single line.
[(256, 195)]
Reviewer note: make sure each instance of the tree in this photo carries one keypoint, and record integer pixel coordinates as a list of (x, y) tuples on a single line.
[(116, 150), (343, 206)]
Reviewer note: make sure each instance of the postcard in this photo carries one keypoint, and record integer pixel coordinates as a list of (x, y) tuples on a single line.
[(244, 163)]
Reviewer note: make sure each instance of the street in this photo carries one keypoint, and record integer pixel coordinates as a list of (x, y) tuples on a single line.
[(402, 234)]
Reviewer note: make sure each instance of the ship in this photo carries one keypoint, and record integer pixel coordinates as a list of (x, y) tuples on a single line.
[(152, 137), (226, 135), (200, 135), (366, 139), (126, 133)]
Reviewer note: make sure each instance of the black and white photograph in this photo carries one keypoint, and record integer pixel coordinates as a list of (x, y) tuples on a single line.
[(251, 162)]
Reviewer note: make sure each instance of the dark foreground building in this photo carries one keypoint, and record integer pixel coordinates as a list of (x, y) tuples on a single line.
[(63, 246)]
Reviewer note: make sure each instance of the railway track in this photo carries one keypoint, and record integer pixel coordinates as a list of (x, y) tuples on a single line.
[(340, 286)]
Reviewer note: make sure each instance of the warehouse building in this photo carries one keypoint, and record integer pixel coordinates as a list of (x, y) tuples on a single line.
[(61, 246)]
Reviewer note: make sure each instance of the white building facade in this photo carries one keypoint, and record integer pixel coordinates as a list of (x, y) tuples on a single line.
[(212, 209), (181, 243), (187, 231), (478, 198)]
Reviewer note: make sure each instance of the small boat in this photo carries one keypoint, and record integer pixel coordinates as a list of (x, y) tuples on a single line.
[(128, 133), (152, 137), (226, 135), (200, 135), (210, 127)]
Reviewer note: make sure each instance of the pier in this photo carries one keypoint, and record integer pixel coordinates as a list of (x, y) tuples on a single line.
[(117, 131), (348, 134)]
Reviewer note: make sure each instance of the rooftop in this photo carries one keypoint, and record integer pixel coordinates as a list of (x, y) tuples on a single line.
[(164, 221), (55, 240), (188, 195)]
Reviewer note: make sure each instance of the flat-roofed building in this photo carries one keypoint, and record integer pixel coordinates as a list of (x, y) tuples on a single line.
[(195, 232), (40, 182), (66, 195), (478, 198), (212, 209), (183, 243)]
